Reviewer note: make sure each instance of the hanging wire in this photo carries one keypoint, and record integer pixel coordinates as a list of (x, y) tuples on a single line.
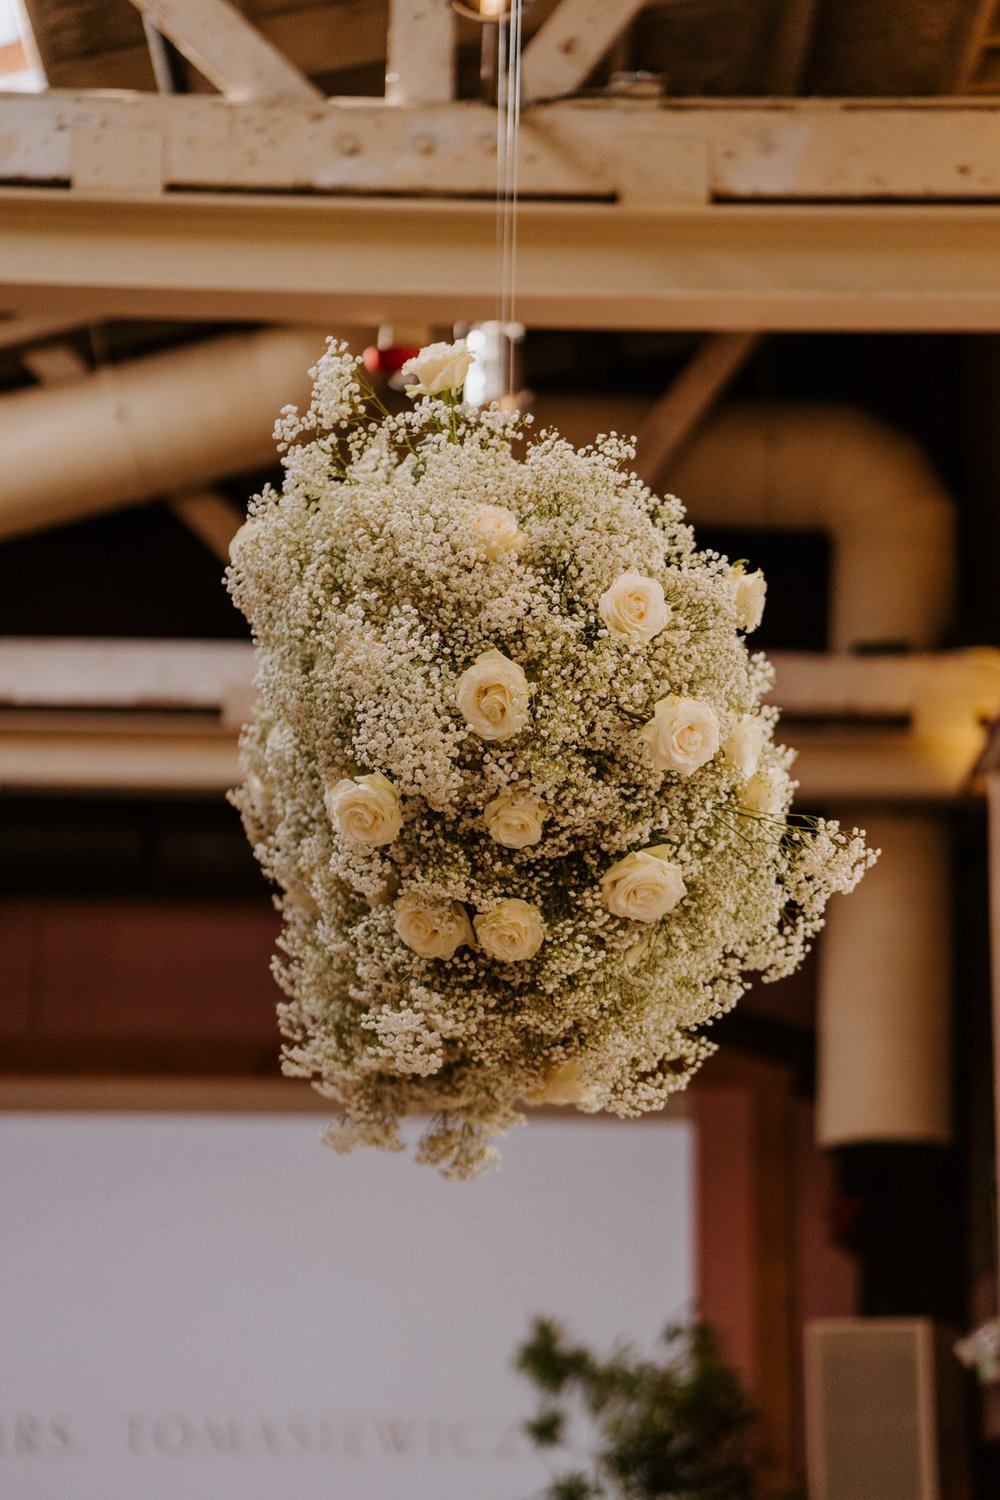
[(508, 165), (501, 204)]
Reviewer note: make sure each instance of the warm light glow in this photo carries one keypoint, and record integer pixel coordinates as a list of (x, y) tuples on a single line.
[(482, 10)]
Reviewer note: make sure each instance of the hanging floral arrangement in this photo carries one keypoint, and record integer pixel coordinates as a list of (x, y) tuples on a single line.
[(509, 769)]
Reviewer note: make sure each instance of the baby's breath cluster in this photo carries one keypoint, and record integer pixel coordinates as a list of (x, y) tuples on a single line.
[(509, 769)]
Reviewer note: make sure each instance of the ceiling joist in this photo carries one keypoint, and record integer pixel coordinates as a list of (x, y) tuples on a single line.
[(568, 46), (420, 60), (212, 518), (18, 332), (225, 47), (692, 395)]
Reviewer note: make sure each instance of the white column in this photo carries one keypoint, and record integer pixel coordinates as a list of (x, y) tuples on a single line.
[(885, 990)]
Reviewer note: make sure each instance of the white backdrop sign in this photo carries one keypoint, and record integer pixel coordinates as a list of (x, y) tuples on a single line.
[(220, 1309)]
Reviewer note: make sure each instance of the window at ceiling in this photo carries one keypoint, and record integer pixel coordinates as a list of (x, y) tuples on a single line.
[(20, 69)]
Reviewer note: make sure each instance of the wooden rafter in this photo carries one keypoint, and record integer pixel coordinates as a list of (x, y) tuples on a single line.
[(19, 332), (420, 58), (568, 46), (212, 518), (52, 364), (789, 52), (695, 391), (979, 40), (224, 46)]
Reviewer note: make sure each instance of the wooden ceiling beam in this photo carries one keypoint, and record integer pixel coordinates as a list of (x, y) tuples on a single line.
[(212, 518), (788, 56), (581, 265), (568, 46), (420, 59), (16, 333), (800, 150), (692, 395), (230, 51)]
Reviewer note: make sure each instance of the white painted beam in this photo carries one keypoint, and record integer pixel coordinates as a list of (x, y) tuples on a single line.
[(55, 672), (230, 51), (75, 673), (420, 60), (580, 265), (784, 152), (152, 753), (843, 685), (162, 753), (568, 46), (839, 711)]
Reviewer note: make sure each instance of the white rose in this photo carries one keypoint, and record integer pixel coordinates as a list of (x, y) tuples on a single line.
[(563, 1085), (245, 533), (433, 931), (365, 809), (743, 747), (495, 528), (439, 367), (643, 886), (512, 931), (515, 819), (493, 695), (749, 590), (634, 606), (682, 735), (763, 794)]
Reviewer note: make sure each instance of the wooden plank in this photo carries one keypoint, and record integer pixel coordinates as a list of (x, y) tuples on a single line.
[(228, 49), (568, 46), (420, 60), (330, 38), (745, 1247), (692, 395)]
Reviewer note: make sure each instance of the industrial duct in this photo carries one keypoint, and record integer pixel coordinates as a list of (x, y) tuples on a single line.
[(885, 966), (884, 983), (152, 426), (813, 467), (836, 470)]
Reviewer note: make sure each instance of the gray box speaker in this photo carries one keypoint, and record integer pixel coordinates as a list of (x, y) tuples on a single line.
[(884, 1411)]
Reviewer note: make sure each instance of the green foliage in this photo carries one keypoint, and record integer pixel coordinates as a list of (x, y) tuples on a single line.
[(678, 1429)]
